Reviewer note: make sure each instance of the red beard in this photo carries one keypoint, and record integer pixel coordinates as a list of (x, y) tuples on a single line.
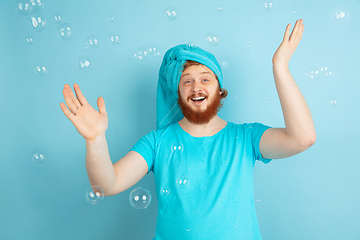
[(200, 117)]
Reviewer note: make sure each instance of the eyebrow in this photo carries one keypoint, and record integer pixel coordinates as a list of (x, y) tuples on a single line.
[(183, 75)]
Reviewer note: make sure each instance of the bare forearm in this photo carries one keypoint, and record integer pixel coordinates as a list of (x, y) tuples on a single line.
[(98, 164), (297, 116)]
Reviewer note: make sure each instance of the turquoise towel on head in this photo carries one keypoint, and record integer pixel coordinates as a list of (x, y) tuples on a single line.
[(167, 109)]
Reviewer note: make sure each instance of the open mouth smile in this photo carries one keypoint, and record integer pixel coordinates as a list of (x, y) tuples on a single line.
[(198, 100)]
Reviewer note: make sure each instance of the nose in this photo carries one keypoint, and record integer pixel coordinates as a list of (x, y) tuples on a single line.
[(197, 87)]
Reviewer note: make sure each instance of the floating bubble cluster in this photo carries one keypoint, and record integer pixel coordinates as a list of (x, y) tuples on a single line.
[(320, 72), (143, 53), (140, 198), (94, 194)]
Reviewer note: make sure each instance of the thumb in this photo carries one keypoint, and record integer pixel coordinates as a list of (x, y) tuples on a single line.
[(101, 105)]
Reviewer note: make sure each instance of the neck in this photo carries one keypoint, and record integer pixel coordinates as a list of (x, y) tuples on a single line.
[(202, 130)]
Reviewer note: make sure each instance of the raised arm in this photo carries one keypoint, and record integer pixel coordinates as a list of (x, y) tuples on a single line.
[(92, 124), (299, 132)]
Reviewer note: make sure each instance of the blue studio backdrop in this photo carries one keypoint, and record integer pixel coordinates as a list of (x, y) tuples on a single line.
[(114, 49)]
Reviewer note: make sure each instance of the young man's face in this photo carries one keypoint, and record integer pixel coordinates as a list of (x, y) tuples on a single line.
[(199, 94)]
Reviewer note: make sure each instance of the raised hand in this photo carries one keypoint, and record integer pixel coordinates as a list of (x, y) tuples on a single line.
[(286, 49), (89, 122)]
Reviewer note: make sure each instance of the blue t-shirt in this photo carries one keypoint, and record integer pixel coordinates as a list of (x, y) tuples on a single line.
[(204, 185)]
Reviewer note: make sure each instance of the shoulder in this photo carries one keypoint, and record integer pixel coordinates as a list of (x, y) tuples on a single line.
[(247, 128), (158, 133)]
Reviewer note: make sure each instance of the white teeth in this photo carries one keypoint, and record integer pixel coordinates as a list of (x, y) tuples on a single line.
[(199, 98)]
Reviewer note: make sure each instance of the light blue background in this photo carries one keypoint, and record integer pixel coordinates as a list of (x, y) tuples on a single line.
[(313, 195)]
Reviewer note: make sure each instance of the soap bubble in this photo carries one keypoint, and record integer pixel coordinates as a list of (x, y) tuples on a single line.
[(23, 7), (268, 5), (177, 147), (171, 13), (191, 44), (41, 69), (57, 17), (326, 72), (248, 46), (114, 38), (37, 21), (154, 51), (65, 31), (111, 18), (212, 39), (93, 41), (165, 191), (333, 102), (141, 53), (36, 5), (314, 74), (38, 158), (84, 64), (340, 16), (29, 40), (182, 181), (94, 194), (140, 198)]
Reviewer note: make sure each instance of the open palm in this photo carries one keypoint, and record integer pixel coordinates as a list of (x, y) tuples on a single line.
[(287, 48), (89, 122)]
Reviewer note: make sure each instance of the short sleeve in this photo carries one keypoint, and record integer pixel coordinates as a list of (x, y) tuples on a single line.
[(145, 146), (257, 130)]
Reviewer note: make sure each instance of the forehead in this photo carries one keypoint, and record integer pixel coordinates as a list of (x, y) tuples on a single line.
[(197, 70)]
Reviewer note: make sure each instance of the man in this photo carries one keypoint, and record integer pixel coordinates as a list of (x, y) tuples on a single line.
[(203, 165)]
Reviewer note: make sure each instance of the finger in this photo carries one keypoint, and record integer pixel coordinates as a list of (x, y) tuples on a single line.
[(287, 32), (101, 105), (299, 31), (296, 31), (72, 97), (302, 27), (79, 95), (67, 113), (69, 101)]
